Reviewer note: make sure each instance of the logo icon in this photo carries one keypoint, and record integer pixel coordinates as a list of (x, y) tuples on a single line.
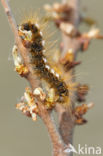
[(90, 150)]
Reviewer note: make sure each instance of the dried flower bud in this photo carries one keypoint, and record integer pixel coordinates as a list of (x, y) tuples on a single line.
[(16, 57), (84, 43), (80, 111), (88, 20), (94, 33), (59, 8), (20, 106), (28, 105), (19, 66), (48, 7), (33, 109), (52, 13), (39, 92), (68, 60), (29, 96), (80, 121), (22, 70), (25, 110), (82, 90), (68, 29)]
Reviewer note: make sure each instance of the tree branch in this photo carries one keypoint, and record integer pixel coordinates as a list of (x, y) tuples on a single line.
[(44, 114), (66, 121)]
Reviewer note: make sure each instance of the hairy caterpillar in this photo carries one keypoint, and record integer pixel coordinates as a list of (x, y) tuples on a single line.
[(32, 38)]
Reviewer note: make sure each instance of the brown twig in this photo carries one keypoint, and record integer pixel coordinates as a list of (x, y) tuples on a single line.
[(47, 119), (66, 121), (44, 114)]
